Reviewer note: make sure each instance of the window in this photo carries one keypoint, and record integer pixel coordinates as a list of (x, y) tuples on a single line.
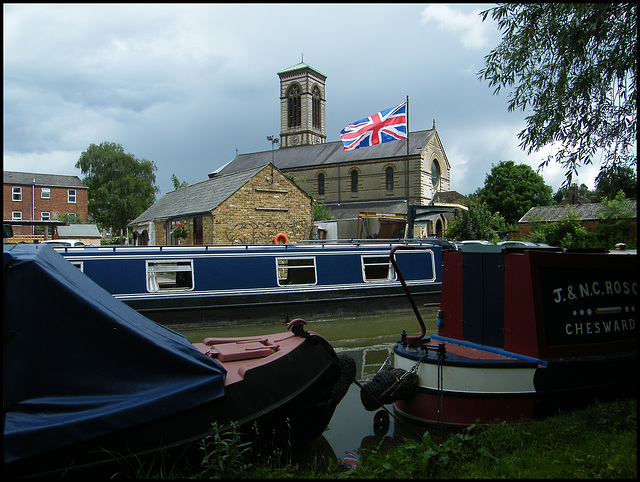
[(45, 193), (71, 196), (169, 275), (435, 173), (16, 215), (354, 181), (315, 108), (377, 268), (321, 184), (44, 216), (389, 174), (72, 216), (294, 106), (296, 271), (16, 194)]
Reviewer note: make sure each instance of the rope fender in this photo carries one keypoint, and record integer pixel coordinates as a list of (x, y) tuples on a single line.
[(347, 375), (387, 386)]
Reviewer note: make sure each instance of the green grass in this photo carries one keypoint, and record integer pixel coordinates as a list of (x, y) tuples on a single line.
[(597, 442)]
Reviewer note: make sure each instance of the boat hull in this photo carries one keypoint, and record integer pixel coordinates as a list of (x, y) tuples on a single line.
[(89, 382), (288, 400), (483, 388)]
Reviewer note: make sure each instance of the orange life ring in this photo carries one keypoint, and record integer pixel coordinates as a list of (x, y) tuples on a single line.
[(280, 236)]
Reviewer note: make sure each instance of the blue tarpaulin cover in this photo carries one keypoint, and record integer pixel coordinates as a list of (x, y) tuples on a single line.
[(78, 363)]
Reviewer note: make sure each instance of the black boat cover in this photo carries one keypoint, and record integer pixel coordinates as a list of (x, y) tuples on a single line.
[(77, 363)]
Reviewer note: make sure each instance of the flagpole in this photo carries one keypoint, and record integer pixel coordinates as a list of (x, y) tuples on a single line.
[(406, 181)]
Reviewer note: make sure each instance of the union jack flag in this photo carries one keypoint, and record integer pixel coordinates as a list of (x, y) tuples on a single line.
[(385, 126)]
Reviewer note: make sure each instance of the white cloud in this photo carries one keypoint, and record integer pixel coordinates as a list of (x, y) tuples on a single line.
[(474, 34)]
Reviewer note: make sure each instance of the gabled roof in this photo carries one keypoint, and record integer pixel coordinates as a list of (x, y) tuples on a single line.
[(48, 180), (586, 212), (326, 154), (202, 197)]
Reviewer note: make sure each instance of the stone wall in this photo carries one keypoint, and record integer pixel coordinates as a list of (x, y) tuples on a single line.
[(267, 205)]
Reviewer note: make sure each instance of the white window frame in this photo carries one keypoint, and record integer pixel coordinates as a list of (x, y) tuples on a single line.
[(45, 193), (45, 216), (71, 196), (16, 215), (16, 193), (162, 275), (373, 264), (297, 263)]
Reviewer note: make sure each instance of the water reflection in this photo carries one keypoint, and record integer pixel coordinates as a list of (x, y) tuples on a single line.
[(368, 340)]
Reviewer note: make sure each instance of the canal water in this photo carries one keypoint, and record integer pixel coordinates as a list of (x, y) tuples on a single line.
[(368, 340)]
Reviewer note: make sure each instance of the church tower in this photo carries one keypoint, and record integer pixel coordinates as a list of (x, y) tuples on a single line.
[(302, 106)]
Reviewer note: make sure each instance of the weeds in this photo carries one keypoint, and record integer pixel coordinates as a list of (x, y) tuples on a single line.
[(225, 454)]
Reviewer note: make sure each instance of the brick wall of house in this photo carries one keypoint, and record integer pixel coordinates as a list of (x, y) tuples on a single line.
[(32, 200)]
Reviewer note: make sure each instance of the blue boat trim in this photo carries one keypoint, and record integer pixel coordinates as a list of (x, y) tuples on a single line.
[(491, 349)]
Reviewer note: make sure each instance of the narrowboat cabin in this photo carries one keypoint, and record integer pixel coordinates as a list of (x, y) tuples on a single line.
[(176, 284)]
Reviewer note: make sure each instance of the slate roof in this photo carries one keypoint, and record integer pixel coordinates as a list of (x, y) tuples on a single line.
[(586, 212), (327, 153), (448, 197), (202, 197), (48, 180), (79, 231), (351, 209)]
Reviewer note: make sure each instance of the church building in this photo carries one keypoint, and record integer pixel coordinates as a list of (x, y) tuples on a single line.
[(382, 191)]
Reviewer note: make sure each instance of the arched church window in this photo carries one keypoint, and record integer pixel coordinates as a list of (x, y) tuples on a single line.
[(321, 184), (294, 106), (315, 107), (354, 181), (389, 175), (435, 173)]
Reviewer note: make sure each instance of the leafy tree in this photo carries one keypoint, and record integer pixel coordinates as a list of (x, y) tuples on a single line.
[(177, 184), (611, 180), (71, 219), (477, 223), (575, 67), (321, 212), (120, 187), (566, 232), (616, 222), (512, 190)]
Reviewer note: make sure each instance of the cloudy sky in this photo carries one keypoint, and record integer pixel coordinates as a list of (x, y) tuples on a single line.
[(186, 85)]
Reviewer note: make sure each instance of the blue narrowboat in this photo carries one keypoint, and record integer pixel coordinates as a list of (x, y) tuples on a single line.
[(194, 284)]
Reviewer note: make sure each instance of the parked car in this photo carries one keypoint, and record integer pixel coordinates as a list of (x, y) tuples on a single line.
[(63, 243)]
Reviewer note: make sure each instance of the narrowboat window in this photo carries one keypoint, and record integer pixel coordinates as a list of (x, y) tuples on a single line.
[(169, 275), (296, 271), (377, 268), (78, 264)]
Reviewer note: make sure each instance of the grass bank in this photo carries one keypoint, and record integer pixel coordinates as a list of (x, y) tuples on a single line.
[(597, 442)]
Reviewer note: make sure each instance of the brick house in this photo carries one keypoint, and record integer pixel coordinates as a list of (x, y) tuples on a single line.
[(34, 197), (245, 207)]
